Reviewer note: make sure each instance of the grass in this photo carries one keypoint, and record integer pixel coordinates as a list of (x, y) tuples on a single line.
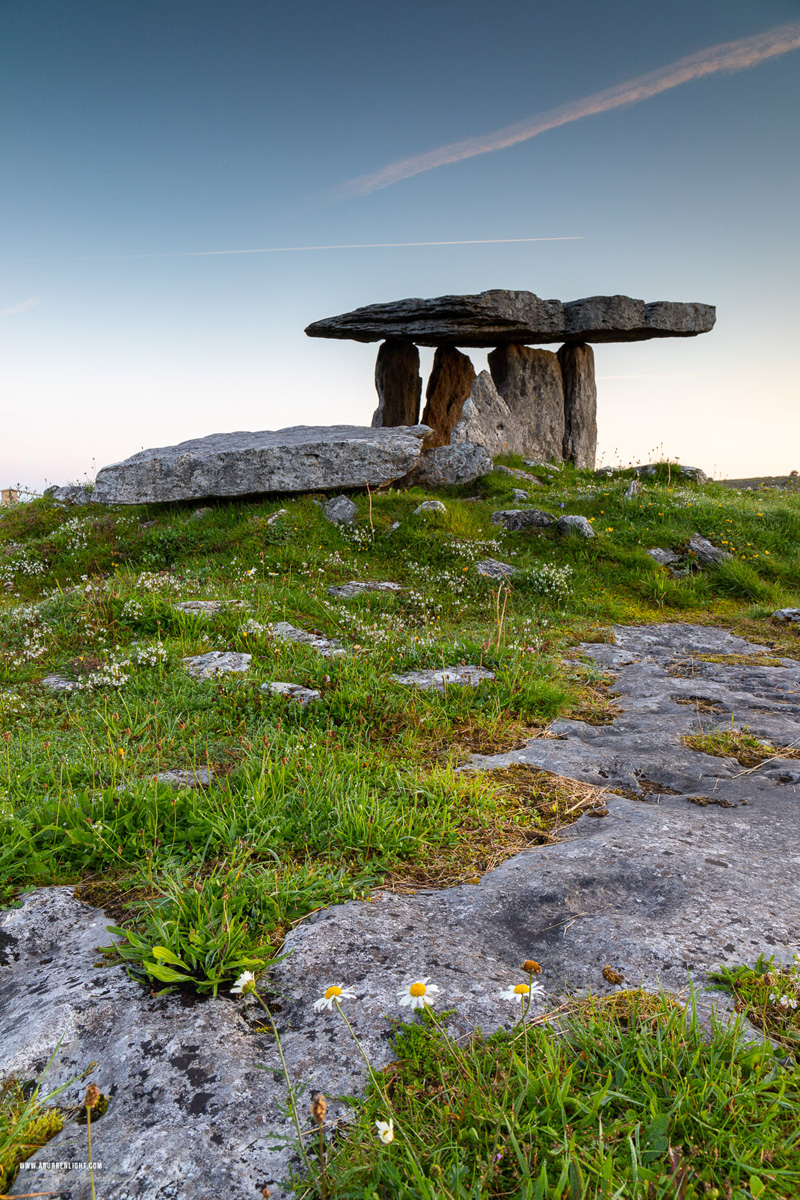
[(626, 1096), (745, 747), (362, 789)]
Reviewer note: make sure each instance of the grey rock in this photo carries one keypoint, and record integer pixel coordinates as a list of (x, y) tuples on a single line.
[(200, 608), (301, 459), (341, 511), (580, 405), (491, 568), (705, 552), (327, 647), (200, 514), (497, 316), (514, 519), (634, 488), (440, 680), (518, 494), (605, 472), (292, 691), (790, 615), (199, 778), (694, 474), (60, 683), (273, 518), (487, 420), (69, 494), (357, 587), (449, 388), (394, 525), (530, 382), (398, 384), (445, 466), (429, 506), (664, 558), (216, 662), (575, 524)]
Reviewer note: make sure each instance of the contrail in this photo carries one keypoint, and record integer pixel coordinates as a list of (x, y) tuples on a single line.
[(728, 56), (23, 306)]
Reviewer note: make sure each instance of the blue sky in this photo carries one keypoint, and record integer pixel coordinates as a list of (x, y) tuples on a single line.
[(136, 132)]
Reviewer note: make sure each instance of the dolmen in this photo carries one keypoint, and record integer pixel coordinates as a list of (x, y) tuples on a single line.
[(531, 401)]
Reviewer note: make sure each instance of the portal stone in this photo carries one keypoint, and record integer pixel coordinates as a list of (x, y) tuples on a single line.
[(449, 386), (530, 383), (398, 384), (580, 405)]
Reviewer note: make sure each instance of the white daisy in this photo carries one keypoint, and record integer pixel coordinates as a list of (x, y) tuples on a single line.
[(333, 993), (386, 1131), (417, 994), (522, 991), (245, 983)]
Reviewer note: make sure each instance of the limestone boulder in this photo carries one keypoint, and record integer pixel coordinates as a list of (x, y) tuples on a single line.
[(530, 382), (398, 384), (301, 459), (572, 523)]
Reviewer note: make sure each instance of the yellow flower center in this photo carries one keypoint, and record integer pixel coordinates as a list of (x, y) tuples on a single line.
[(418, 989), (332, 992), (522, 989)]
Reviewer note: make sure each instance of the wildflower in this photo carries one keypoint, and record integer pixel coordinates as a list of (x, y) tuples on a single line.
[(385, 1131), (518, 992), (245, 983), (319, 1107), (332, 994), (92, 1096), (416, 994), (531, 966)]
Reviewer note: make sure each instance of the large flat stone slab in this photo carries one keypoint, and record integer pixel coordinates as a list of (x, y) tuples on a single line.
[(304, 458), (494, 317)]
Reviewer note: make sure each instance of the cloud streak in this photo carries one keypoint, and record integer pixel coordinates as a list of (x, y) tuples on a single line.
[(23, 306), (727, 56)]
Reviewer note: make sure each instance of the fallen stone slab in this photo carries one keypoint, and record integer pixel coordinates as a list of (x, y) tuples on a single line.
[(446, 466), (429, 506), (497, 316), (514, 519), (200, 608), (440, 680), (292, 691), (287, 632), (491, 568), (357, 587), (341, 511), (200, 777), (301, 459), (216, 662), (707, 554), (572, 523)]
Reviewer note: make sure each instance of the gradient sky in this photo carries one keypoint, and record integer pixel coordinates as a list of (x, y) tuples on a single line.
[(136, 132)]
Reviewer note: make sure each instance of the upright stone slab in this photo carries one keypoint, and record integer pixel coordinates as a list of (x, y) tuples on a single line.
[(449, 386), (580, 405), (398, 384), (530, 383)]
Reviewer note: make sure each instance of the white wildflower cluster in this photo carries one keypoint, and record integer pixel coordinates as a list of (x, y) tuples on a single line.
[(74, 533), (454, 582), (150, 656), (549, 580), (157, 581), (783, 1000), (251, 628), (133, 610), (22, 562), (11, 705), (472, 551), (376, 629), (29, 633), (115, 672), (359, 535)]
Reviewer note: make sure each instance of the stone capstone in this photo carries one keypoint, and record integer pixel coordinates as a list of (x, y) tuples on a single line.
[(514, 519), (466, 675), (530, 383), (216, 662), (575, 524), (341, 510), (301, 459), (445, 466), (449, 386), (580, 405), (497, 316), (398, 384)]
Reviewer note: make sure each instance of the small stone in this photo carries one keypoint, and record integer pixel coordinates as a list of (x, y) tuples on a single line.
[(186, 779), (69, 494), (634, 488), (706, 553), (60, 683), (791, 615), (465, 676), (273, 518), (575, 524), (492, 569), (429, 506), (217, 662), (664, 558), (290, 633), (341, 511), (518, 494), (357, 587), (292, 691), (394, 525), (200, 513), (200, 608), (514, 519)]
